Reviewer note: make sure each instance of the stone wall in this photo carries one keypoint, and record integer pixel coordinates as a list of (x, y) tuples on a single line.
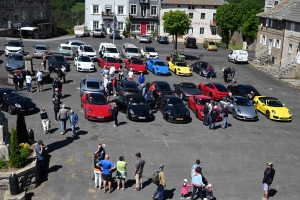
[(27, 177)]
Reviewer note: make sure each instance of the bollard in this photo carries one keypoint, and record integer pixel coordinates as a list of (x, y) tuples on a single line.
[(14, 184), (30, 134)]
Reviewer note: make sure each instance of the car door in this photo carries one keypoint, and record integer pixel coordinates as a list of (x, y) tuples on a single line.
[(162, 105), (196, 67), (85, 99), (230, 55), (205, 89), (150, 65)]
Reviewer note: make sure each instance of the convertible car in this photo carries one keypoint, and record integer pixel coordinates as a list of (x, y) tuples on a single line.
[(272, 108), (185, 89), (180, 68), (136, 107), (137, 65), (215, 90), (109, 61), (173, 109), (197, 103), (240, 108), (158, 67), (95, 107)]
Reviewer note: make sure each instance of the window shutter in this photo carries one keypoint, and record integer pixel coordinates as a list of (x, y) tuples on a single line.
[(274, 43), (261, 39), (91, 9), (279, 45), (91, 25), (124, 10), (116, 10), (267, 22)]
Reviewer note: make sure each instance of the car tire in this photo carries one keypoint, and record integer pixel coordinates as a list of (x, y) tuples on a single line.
[(233, 114), (154, 71), (207, 49), (10, 110), (188, 104), (196, 113), (268, 114), (175, 71), (234, 61), (127, 115), (228, 59)]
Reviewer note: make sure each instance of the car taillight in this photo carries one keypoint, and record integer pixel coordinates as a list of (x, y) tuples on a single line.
[(186, 93), (159, 93), (34, 52)]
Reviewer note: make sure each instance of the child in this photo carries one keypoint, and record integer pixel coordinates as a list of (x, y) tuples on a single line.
[(209, 192), (185, 189)]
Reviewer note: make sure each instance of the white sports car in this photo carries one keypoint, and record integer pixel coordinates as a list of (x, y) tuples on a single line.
[(151, 50), (84, 64)]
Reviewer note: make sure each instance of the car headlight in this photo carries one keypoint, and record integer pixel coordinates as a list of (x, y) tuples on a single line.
[(169, 112), (6, 64), (238, 110), (78, 64), (187, 113), (33, 102), (150, 112), (131, 112), (289, 112), (89, 110), (92, 65), (273, 111), (156, 68), (17, 105)]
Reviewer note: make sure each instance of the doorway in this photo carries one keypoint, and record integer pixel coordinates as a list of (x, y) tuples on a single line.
[(298, 55), (270, 47), (143, 28)]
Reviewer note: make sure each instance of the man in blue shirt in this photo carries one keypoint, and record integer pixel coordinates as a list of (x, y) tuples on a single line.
[(40, 153), (73, 121), (149, 95), (141, 79), (107, 167)]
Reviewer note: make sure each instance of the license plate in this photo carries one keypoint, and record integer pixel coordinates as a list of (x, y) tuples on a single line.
[(30, 109), (179, 118), (284, 117), (100, 117), (142, 117)]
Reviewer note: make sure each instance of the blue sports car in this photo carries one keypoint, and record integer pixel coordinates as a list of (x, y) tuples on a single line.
[(158, 67)]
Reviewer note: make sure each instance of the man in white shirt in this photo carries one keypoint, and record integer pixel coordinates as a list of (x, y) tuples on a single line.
[(148, 56), (105, 81), (112, 70), (39, 78), (28, 82), (130, 74)]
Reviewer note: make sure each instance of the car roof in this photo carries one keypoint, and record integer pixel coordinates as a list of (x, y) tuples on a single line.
[(215, 83), (86, 45), (65, 45), (163, 82), (203, 97), (92, 79), (106, 44), (246, 86), (6, 89), (129, 45), (41, 45), (75, 41), (186, 83), (155, 59)]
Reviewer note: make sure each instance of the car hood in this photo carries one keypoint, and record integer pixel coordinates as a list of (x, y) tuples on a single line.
[(177, 111), (15, 63), (133, 55), (86, 64), (153, 53), (140, 110), (183, 69), (137, 66), (64, 51), (280, 111), (24, 102), (192, 91), (100, 110), (246, 110), (132, 91), (57, 64), (13, 48)]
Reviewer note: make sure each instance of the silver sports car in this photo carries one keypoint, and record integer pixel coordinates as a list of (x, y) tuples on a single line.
[(90, 85), (15, 61), (240, 108)]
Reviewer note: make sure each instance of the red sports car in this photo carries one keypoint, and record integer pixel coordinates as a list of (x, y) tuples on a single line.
[(215, 90), (136, 64), (109, 61), (95, 107), (197, 103)]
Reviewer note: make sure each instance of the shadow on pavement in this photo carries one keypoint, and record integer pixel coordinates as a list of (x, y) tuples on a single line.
[(168, 194), (59, 144), (122, 123), (147, 182), (272, 192), (52, 130), (129, 183), (29, 195), (54, 168)]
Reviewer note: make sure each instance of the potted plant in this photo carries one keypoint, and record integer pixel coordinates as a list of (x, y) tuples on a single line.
[(103, 13)]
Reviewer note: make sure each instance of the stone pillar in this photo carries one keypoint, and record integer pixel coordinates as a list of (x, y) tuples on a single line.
[(28, 63), (4, 137)]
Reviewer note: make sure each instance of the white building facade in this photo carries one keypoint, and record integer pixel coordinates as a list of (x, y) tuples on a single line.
[(202, 14), (100, 14)]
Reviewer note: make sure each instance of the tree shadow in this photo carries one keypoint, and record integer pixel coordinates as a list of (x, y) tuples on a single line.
[(59, 144), (272, 192), (169, 194)]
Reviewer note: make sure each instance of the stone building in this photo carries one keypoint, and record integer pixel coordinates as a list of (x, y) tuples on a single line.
[(33, 17), (271, 4)]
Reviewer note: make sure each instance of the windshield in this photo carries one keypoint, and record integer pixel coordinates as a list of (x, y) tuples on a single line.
[(84, 59), (58, 59), (12, 95), (132, 50), (203, 101), (76, 43), (164, 87), (188, 85), (40, 48), (131, 86), (211, 43), (159, 63), (16, 57), (66, 48), (150, 49), (274, 103), (97, 100), (111, 50), (181, 64), (88, 49), (137, 61), (242, 102), (221, 88), (175, 102), (93, 85), (137, 101), (97, 29), (14, 44)]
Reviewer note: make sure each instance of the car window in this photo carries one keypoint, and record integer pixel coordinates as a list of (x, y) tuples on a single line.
[(58, 59), (88, 49), (188, 85), (84, 59), (164, 86), (203, 101), (66, 48), (93, 85), (274, 103), (76, 43), (150, 49), (242, 102), (176, 102), (221, 88), (137, 61), (15, 57), (97, 100), (209, 85), (132, 50), (12, 95), (181, 64), (14, 44), (137, 101), (159, 63), (131, 86), (112, 50), (40, 48), (211, 43)]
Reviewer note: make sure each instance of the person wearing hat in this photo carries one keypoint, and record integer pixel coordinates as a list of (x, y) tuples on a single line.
[(268, 179), (185, 189), (40, 153), (161, 183)]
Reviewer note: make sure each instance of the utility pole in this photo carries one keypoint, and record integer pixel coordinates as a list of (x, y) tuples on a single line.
[(114, 25)]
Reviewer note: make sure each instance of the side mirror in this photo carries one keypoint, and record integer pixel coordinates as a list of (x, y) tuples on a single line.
[(283, 105), (263, 104)]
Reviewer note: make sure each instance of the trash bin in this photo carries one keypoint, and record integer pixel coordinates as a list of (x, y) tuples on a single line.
[(30, 134), (14, 184)]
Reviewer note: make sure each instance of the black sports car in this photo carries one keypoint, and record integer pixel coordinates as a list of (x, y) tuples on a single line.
[(185, 89), (173, 109), (56, 61), (162, 88), (12, 101), (242, 90), (136, 107), (201, 69), (127, 87)]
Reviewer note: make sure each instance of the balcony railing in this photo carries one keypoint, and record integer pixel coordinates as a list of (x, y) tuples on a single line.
[(213, 23), (107, 15), (144, 1)]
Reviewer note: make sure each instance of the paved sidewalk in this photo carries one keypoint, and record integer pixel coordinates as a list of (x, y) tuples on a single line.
[(65, 37)]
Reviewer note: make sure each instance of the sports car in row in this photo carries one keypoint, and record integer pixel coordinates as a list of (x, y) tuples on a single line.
[(151, 50), (84, 64), (90, 85), (56, 61), (109, 61), (180, 68), (15, 61), (201, 69), (158, 67), (127, 87), (185, 89), (215, 90), (242, 90), (136, 64)]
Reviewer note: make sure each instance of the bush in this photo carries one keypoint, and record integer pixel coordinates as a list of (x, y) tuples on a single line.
[(22, 134), (14, 157), (221, 44), (3, 164), (24, 154)]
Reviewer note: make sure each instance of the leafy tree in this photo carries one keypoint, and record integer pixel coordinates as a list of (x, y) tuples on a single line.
[(14, 156), (127, 25), (249, 27), (176, 23), (21, 128)]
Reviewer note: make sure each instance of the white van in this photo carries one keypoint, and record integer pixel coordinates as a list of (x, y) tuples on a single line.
[(81, 31), (238, 56), (109, 50)]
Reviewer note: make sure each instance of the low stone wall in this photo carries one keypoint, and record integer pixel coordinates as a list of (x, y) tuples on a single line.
[(27, 177), (46, 79)]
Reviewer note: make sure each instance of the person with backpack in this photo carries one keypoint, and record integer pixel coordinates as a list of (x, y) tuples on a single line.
[(160, 180), (197, 183), (138, 171)]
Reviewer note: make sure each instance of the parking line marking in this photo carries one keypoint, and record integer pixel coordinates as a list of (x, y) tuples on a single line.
[(166, 141)]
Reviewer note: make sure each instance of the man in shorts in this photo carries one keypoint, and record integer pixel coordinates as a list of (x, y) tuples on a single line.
[(107, 167), (268, 179), (39, 78)]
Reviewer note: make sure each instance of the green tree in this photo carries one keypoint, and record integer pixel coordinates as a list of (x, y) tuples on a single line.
[(21, 128), (228, 19), (176, 23), (249, 27), (14, 156), (127, 25)]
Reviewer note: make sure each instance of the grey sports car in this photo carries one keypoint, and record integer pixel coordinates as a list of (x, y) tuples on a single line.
[(14, 62), (240, 108), (90, 85), (185, 89)]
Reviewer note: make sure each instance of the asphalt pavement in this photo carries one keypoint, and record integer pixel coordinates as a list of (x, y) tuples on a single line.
[(233, 159)]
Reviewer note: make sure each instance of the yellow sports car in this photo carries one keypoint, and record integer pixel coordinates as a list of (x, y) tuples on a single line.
[(180, 68), (210, 45), (272, 108)]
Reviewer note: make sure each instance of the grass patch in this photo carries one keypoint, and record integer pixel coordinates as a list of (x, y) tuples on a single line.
[(235, 46), (77, 7)]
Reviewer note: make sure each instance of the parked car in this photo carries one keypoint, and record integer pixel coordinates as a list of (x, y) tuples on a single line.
[(68, 51), (163, 40), (215, 90), (117, 35), (127, 87), (109, 50), (56, 61), (40, 50), (95, 107), (130, 51), (151, 50), (201, 68), (145, 38), (180, 68), (173, 109), (210, 45), (12, 101), (137, 65), (162, 88), (242, 90), (136, 107), (90, 85), (15, 62), (185, 89), (109, 61), (14, 46), (158, 67), (87, 50), (75, 43), (84, 64), (98, 32), (81, 30), (190, 42), (238, 56)]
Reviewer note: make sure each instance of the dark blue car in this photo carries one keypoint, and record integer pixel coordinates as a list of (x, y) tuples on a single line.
[(56, 61), (163, 40)]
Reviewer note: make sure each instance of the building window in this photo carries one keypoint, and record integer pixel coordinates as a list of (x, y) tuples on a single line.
[(264, 40), (202, 16), (213, 31), (278, 23), (154, 10), (278, 44), (290, 48), (191, 7), (120, 26), (135, 26), (190, 31), (95, 24), (8, 17), (267, 22), (120, 10), (133, 9), (271, 23), (16, 18), (108, 9), (216, 7), (275, 3), (201, 31), (150, 27), (95, 9), (178, 6), (292, 26), (166, 6), (191, 15), (143, 11), (203, 6)]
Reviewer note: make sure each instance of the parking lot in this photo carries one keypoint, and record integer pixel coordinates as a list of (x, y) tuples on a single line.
[(233, 159)]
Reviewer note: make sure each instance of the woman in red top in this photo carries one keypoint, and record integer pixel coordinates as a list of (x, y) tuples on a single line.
[(114, 85)]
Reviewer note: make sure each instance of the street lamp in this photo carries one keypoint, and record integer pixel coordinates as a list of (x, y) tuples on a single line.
[(114, 24)]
